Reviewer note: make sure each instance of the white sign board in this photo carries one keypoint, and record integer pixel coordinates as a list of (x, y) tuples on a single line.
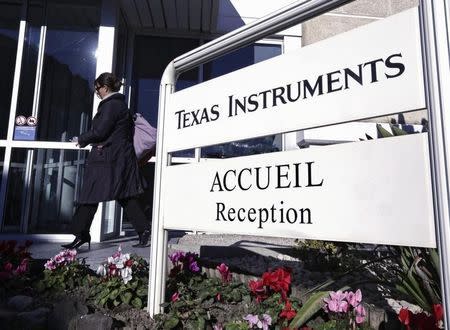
[(370, 192), (371, 71)]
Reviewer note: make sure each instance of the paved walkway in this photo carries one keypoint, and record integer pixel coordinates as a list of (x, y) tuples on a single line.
[(207, 245)]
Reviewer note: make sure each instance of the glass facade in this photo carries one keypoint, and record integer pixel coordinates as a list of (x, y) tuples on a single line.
[(58, 67), (58, 62), (57, 41), (231, 62), (42, 187), (10, 16), (151, 56)]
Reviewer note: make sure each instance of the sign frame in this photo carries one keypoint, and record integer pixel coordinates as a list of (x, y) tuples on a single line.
[(434, 17)]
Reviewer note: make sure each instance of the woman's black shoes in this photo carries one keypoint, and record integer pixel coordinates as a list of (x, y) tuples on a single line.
[(143, 239), (78, 241)]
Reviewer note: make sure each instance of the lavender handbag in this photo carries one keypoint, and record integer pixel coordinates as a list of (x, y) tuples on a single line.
[(144, 138)]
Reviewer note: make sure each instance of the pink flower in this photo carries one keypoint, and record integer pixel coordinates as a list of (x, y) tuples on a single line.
[(118, 253), (59, 259), (336, 303), (265, 322), (176, 256), (354, 299), (252, 320), (22, 268), (175, 297), (224, 272), (360, 314), (50, 265)]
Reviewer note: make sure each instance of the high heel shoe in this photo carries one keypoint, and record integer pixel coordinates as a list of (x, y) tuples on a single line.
[(78, 241), (143, 239)]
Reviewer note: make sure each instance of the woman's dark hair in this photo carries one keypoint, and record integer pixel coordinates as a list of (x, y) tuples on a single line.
[(109, 80)]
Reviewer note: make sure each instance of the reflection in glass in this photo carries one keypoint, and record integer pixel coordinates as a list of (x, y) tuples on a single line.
[(151, 56), (42, 187), (231, 62), (9, 33), (2, 159), (15, 189), (66, 82), (30, 59), (111, 214)]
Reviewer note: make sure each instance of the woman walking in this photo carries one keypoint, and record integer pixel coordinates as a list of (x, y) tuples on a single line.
[(111, 171)]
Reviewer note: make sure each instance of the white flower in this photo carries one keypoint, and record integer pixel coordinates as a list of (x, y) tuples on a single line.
[(101, 270), (126, 274)]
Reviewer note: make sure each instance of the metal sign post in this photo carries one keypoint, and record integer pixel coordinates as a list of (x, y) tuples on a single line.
[(435, 25), (435, 50), (284, 18)]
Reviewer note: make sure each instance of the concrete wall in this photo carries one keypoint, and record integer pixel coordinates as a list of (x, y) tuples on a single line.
[(236, 13), (350, 16)]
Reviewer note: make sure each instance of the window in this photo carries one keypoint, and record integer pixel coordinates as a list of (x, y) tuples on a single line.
[(65, 35), (9, 34), (42, 187), (231, 62)]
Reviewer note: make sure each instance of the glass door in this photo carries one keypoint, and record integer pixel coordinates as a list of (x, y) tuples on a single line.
[(54, 95)]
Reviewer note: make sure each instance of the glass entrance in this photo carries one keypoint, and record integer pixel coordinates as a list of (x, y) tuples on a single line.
[(51, 88)]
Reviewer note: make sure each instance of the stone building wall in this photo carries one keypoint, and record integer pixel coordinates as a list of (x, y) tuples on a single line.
[(350, 16)]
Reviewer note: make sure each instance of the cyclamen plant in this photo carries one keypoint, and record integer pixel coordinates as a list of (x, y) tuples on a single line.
[(345, 304), (256, 322), (62, 259), (13, 259), (184, 262), (422, 320), (118, 265), (63, 271)]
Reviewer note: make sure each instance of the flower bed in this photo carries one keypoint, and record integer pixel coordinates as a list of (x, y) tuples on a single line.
[(118, 289)]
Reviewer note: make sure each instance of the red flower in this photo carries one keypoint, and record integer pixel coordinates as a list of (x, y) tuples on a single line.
[(218, 297), (438, 312), (224, 272), (404, 317), (258, 289), (175, 297), (129, 263), (279, 281), (422, 321), (288, 312)]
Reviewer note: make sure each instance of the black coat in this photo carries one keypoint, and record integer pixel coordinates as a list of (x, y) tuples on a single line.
[(111, 170)]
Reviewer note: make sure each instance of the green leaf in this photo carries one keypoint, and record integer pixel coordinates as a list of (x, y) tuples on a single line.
[(171, 323), (142, 291), (236, 295), (397, 131), (103, 301), (137, 303), (126, 297), (114, 293), (310, 307), (383, 132), (116, 302), (104, 293)]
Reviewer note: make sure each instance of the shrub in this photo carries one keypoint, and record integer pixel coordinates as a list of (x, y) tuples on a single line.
[(123, 280), (13, 260), (63, 272)]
